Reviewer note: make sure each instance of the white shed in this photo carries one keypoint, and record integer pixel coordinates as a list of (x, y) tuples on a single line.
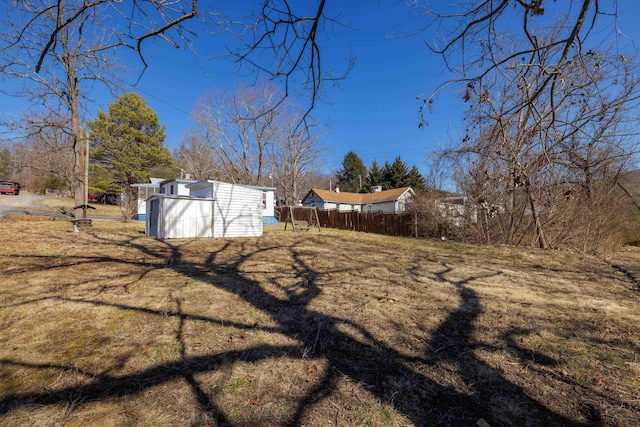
[(213, 209), (178, 217), (237, 210)]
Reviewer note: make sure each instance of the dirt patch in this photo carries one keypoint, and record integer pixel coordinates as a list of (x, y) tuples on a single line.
[(316, 328), (55, 204)]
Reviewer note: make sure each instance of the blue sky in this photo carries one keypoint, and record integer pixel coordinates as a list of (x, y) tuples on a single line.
[(373, 112)]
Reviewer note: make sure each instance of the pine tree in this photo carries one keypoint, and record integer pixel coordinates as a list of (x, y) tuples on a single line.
[(414, 179), (374, 176), (387, 176), (398, 173), (128, 143), (352, 176)]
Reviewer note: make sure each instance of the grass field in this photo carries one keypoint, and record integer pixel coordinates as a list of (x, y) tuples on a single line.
[(109, 327), (99, 209)]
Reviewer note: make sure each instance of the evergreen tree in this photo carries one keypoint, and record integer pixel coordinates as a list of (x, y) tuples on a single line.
[(375, 176), (386, 176), (128, 143), (398, 173), (414, 179), (352, 176)]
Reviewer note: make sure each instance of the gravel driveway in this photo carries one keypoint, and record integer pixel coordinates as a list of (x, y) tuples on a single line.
[(20, 204)]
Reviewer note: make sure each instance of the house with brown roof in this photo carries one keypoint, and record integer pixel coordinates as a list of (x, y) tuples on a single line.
[(387, 201)]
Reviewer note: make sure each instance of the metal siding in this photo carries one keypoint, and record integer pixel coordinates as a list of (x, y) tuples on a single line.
[(172, 225), (195, 218), (238, 211), (176, 218)]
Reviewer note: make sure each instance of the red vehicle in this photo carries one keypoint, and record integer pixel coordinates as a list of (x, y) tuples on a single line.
[(7, 187)]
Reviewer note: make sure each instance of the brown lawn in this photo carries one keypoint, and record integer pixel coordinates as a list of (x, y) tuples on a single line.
[(109, 327)]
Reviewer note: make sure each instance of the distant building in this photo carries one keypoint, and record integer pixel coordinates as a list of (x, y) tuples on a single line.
[(175, 186), (387, 201), (457, 210), (142, 192)]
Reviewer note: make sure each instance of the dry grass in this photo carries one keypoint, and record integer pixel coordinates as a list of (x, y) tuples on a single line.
[(332, 328), (54, 205)]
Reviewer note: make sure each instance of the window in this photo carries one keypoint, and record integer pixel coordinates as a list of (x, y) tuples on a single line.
[(264, 200)]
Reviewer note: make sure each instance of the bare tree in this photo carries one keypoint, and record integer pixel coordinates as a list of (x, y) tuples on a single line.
[(195, 158), (283, 41), (58, 50), (250, 141), (526, 155), (294, 158), (471, 37), (550, 103), (42, 152), (6, 163), (238, 128)]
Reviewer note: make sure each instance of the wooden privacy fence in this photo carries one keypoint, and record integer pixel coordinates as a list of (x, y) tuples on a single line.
[(400, 224)]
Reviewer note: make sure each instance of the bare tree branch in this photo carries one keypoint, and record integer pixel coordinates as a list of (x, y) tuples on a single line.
[(285, 45)]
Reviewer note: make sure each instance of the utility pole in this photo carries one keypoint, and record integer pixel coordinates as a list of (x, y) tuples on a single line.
[(86, 174)]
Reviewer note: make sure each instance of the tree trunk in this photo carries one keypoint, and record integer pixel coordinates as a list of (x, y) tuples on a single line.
[(78, 185), (129, 203), (542, 241)]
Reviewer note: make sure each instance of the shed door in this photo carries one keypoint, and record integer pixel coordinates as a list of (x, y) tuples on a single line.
[(154, 211)]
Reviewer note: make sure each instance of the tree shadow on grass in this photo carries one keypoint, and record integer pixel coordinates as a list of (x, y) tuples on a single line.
[(390, 376)]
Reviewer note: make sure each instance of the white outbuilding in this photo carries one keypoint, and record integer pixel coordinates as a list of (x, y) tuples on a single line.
[(212, 209), (178, 217)]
